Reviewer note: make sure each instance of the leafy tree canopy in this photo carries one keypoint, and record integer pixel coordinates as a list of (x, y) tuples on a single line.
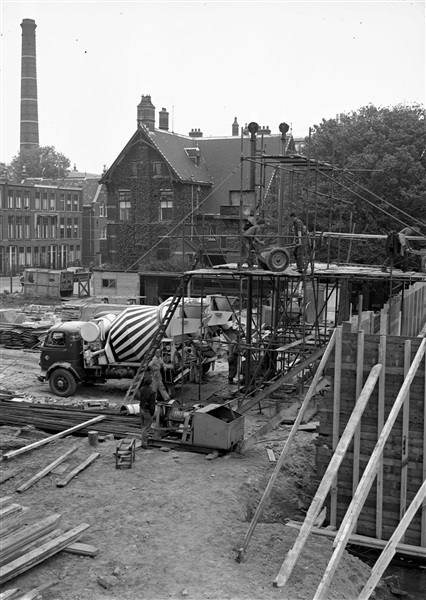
[(379, 179), (44, 162)]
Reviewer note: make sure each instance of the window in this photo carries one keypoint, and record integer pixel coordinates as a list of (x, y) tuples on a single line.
[(53, 227), (37, 204), (27, 228), (36, 257), (103, 233), (61, 201), (28, 259), (76, 202), (62, 257), (76, 228), (21, 257), (38, 229), (18, 229), (56, 338), (44, 205), (11, 228), (69, 228), (124, 202), (45, 228), (62, 228), (166, 210), (157, 169), (1, 200), (109, 283), (163, 249), (52, 201), (18, 199), (68, 207), (26, 199), (10, 198), (102, 209), (125, 210)]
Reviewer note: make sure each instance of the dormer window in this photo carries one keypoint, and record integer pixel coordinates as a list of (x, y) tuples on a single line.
[(194, 154)]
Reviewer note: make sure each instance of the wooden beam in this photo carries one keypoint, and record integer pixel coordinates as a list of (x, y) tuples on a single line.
[(327, 480), (26, 535), (423, 518), (358, 388), (10, 594), (380, 422), (367, 479), (368, 542), (10, 510), (26, 548), (63, 482), (46, 470), (336, 418), (388, 553), (14, 453), (22, 564), (12, 525), (82, 549), (286, 448), (405, 436)]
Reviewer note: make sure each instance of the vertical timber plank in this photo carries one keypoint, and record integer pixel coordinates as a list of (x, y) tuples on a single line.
[(405, 437), (380, 422), (336, 418), (358, 388)]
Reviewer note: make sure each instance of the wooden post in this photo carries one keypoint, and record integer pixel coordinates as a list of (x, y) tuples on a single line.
[(328, 478), (358, 388), (405, 436), (336, 418), (380, 422), (93, 438)]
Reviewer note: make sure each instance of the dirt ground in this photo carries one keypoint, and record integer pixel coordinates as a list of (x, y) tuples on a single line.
[(170, 526)]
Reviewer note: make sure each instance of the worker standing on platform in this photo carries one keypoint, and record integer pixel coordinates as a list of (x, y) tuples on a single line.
[(155, 366), (251, 240), (300, 233), (146, 396), (397, 247)]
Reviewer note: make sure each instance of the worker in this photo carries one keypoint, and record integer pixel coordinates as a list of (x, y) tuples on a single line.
[(146, 396), (300, 233), (233, 360), (397, 247), (155, 366), (251, 241)]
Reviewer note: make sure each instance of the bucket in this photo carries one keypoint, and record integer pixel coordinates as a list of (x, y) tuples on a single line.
[(131, 409)]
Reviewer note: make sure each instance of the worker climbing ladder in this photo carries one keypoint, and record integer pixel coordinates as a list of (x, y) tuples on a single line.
[(160, 334)]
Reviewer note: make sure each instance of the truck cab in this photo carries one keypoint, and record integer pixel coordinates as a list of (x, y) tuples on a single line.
[(61, 358)]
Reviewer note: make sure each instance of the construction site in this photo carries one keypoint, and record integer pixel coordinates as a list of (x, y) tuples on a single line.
[(292, 440)]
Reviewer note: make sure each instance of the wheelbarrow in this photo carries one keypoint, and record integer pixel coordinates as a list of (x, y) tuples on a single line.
[(273, 258)]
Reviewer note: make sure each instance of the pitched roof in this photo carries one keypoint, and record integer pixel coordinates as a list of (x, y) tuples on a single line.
[(172, 147)]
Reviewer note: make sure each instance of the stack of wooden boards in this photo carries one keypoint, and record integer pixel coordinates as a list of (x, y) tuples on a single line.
[(22, 546)]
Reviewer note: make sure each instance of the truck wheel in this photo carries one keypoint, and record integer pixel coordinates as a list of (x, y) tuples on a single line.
[(62, 383), (278, 260)]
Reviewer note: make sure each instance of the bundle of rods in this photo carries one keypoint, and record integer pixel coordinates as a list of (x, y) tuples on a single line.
[(54, 419)]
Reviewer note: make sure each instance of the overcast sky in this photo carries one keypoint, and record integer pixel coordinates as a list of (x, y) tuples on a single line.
[(206, 63)]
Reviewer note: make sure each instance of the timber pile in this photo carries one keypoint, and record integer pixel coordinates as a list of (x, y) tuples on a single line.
[(25, 546), (54, 418)]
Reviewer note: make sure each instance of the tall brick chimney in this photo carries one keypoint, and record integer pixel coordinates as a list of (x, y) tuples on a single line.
[(29, 109), (163, 120), (146, 113)]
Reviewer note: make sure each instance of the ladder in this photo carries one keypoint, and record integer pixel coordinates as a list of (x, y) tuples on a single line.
[(160, 334)]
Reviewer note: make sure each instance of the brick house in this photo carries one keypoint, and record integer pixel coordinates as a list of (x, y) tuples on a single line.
[(167, 191)]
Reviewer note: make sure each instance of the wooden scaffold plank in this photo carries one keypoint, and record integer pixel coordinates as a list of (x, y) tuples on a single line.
[(46, 470), (14, 453), (63, 482)]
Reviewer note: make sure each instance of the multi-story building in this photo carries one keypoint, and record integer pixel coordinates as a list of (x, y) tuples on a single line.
[(40, 226), (166, 191)]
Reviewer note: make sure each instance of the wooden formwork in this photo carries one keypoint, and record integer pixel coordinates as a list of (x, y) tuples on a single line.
[(402, 468)]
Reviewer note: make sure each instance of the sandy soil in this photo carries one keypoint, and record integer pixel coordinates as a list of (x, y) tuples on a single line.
[(170, 527)]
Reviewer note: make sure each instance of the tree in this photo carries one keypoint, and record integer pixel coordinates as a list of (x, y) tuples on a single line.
[(43, 162), (377, 180)]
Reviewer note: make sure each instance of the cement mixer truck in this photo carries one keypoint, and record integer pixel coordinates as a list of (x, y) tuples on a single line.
[(112, 346)]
